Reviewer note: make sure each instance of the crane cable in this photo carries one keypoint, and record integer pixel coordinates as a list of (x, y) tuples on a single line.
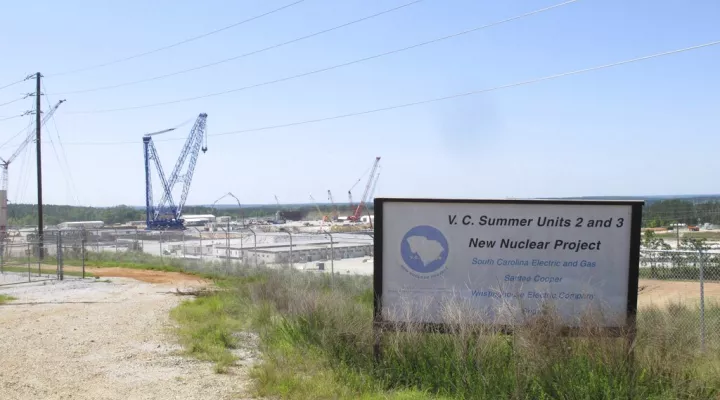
[(69, 179)]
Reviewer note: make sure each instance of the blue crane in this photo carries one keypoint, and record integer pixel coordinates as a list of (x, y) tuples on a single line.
[(166, 215)]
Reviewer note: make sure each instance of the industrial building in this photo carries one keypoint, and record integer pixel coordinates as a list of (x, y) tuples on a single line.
[(306, 252), (81, 225), (198, 220)]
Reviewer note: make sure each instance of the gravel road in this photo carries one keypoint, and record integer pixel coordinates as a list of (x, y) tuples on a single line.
[(101, 340)]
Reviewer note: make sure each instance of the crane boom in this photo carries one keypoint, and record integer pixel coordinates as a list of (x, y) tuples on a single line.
[(167, 214), (28, 139), (358, 210), (332, 204)]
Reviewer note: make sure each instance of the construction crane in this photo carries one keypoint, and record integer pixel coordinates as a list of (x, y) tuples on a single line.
[(317, 206), (323, 217), (30, 137), (279, 218), (332, 204), (167, 215), (370, 196), (358, 211)]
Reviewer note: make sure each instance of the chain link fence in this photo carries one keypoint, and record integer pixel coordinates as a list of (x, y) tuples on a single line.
[(684, 282), (687, 284), (30, 261)]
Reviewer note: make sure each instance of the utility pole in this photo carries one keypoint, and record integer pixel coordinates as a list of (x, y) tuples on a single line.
[(38, 124)]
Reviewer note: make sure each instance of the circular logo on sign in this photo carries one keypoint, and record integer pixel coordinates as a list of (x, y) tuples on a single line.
[(424, 250)]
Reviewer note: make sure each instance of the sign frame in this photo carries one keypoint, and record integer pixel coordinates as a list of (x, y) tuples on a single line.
[(380, 324)]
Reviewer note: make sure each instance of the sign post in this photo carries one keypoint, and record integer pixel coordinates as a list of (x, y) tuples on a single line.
[(506, 261)]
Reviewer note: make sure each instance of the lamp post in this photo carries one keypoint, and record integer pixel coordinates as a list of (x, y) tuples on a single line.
[(227, 233), (289, 234), (242, 217), (332, 258)]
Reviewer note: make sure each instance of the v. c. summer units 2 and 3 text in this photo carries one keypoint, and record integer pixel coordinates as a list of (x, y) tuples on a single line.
[(506, 260)]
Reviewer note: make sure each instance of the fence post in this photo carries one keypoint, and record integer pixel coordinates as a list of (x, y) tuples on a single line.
[(702, 301), (332, 259), (28, 262), (60, 257), (202, 249), (254, 245), (162, 262), (227, 244), (82, 256)]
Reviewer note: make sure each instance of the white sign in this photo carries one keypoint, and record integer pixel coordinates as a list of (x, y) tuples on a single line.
[(503, 262)]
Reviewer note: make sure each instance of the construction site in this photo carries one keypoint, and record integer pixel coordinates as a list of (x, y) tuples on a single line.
[(319, 237)]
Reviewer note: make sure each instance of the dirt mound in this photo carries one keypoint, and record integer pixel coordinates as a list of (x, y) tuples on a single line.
[(144, 275)]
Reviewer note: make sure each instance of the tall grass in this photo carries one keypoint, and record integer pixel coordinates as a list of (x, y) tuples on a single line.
[(317, 341)]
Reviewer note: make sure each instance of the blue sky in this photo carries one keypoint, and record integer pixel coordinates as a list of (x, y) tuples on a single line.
[(644, 128)]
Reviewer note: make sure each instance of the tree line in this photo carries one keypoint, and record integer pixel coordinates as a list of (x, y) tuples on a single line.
[(656, 213), (26, 214), (663, 213)]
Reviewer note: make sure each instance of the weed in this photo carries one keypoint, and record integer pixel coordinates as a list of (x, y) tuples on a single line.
[(5, 298), (317, 341)]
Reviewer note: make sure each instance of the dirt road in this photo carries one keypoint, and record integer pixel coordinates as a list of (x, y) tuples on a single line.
[(99, 340)]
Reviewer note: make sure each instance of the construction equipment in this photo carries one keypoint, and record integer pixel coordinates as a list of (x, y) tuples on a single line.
[(279, 219), (30, 137), (370, 196), (167, 215), (334, 207), (358, 211), (323, 218)]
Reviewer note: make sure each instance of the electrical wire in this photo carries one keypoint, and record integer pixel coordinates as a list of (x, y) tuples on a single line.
[(24, 130), (15, 83), (317, 71), (69, 181), (13, 117), (15, 101), (254, 52), (438, 99), (159, 49)]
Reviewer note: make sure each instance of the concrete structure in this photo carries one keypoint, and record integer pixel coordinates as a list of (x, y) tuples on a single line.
[(301, 253), (81, 225), (198, 220)]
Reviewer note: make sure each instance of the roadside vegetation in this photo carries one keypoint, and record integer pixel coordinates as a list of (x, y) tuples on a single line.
[(5, 298), (317, 343), (43, 271)]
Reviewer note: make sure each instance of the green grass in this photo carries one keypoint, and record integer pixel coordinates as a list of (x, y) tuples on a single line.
[(5, 298), (710, 235), (317, 342), (141, 261), (44, 271)]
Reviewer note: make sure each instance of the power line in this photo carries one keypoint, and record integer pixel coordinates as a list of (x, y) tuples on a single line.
[(14, 83), (15, 101), (13, 117), (317, 71), (19, 132), (69, 179), (254, 52), (177, 43), (438, 99)]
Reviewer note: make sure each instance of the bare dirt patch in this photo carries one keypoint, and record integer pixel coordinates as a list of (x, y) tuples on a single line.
[(144, 275), (94, 339), (662, 293)]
